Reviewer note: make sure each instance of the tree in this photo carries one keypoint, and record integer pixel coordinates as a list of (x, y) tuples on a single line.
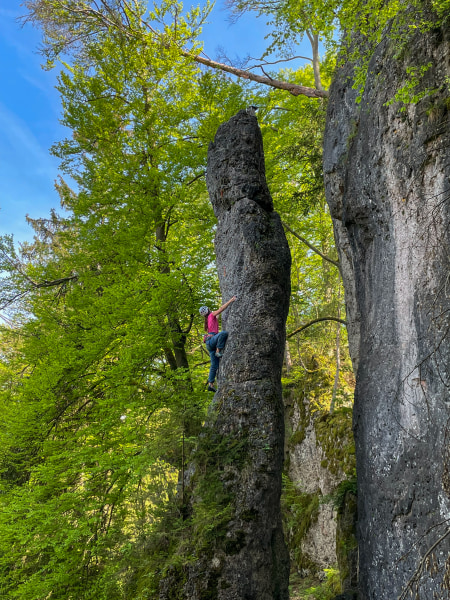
[(292, 129), (108, 394), (69, 26), (100, 397)]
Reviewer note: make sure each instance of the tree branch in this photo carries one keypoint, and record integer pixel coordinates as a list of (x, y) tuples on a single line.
[(46, 283), (7, 321), (275, 62), (199, 176), (191, 320), (415, 578), (313, 248), (107, 19), (306, 325), (292, 88)]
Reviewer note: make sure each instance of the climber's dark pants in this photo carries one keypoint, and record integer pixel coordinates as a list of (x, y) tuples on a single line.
[(217, 341)]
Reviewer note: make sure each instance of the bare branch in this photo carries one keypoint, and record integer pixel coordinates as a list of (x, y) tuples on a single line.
[(191, 320), (306, 325), (281, 108), (310, 36), (206, 362), (8, 321), (266, 74), (46, 283), (313, 248), (415, 578), (275, 62), (199, 176), (292, 88)]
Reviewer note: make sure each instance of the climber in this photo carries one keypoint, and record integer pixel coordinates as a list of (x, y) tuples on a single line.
[(215, 341)]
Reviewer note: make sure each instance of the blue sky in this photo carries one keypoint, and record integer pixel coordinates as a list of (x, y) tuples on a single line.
[(30, 110)]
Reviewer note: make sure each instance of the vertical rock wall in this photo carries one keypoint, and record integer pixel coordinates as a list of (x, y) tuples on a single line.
[(253, 262), (388, 187), (320, 466), (238, 463)]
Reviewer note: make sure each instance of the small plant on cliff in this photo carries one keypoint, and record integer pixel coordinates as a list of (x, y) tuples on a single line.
[(309, 589), (300, 510)]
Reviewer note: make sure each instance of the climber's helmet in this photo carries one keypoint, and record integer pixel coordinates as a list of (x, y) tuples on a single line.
[(204, 311)]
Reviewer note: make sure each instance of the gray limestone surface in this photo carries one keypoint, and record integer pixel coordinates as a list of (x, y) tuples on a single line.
[(253, 263), (387, 175), (249, 560)]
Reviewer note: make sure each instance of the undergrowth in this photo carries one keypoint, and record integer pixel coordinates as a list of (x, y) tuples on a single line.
[(313, 589)]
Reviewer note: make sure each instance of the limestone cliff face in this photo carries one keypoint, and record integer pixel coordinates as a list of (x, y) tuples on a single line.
[(320, 457), (388, 187), (241, 448)]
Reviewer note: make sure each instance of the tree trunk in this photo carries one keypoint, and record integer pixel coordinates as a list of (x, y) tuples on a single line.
[(244, 436), (387, 178)]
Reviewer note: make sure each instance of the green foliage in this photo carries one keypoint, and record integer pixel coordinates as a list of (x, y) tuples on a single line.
[(100, 385), (399, 22), (338, 496), (327, 590), (292, 132), (442, 7), (359, 26), (408, 94), (310, 588), (101, 399), (300, 510), (196, 524)]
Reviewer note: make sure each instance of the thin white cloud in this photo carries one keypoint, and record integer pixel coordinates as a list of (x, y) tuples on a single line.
[(27, 175), (6, 12), (43, 84), (9, 27), (17, 139)]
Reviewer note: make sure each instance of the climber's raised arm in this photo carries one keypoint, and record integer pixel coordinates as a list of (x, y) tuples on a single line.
[(223, 307)]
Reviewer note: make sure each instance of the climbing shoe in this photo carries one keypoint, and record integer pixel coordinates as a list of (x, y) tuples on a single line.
[(211, 388), (219, 353)]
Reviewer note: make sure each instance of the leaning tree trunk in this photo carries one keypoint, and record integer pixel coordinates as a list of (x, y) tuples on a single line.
[(387, 176), (240, 453)]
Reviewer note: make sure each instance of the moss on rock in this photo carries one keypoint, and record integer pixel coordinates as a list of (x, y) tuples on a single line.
[(331, 469), (335, 438), (300, 511)]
